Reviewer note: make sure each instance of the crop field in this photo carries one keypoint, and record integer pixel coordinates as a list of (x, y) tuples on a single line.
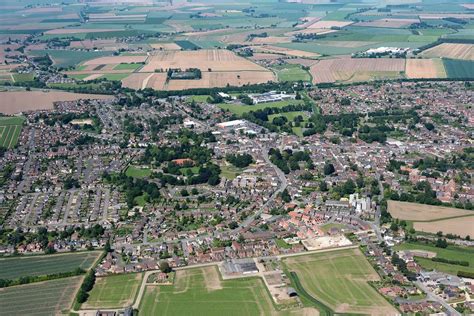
[(240, 109), (450, 253), (286, 51), (199, 291), (422, 212), (213, 59), (390, 23), (425, 68), (114, 291), (10, 129), (127, 66), (20, 101), (187, 45), (339, 280), (64, 58), (13, 268), (432, 219), (449, 50), (356, 69), (45, 298), (459, 68), (292, 73)]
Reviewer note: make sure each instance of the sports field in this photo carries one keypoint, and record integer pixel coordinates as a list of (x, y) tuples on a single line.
[(450, 253), (339, 280), (45, 298), (13, 268), (114, 291), (136, 172), (10, 128), (199, 291), (292, 73), (241, 109)]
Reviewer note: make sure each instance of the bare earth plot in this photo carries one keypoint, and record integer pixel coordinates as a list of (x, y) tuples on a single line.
[(356, 69), (284, 51), (425, 68), (20, 101), (44, 298), (432, 219), (449, 50), (339, 280)]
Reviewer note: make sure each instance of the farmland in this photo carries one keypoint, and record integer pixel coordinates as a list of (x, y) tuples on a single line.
[(64, 58), (425, 68), (114, 291), (459, 68), (10, 129), (199, 291), (432, 219), (45, 298), (21, 101), (356, 69), (13, 268), (339, 280), (449, 50), (450, 253)]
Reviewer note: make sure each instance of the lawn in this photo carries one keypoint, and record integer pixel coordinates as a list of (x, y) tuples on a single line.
[(10, 128), (114, 291), (127, 66), (338, 279), (289, 115), (136, 172), (13, 268), (451, 253), (240, 109), (230, 172), (291, 72), (200, 291), (46, 298)]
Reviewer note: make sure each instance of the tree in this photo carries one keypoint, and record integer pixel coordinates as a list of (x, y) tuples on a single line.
[(165, 267), (394, 227), (329, 169), (323, 186)]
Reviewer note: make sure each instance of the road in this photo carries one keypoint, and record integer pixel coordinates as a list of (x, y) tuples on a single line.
[(430, 295)]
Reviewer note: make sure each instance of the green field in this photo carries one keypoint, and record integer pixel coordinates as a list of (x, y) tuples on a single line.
[(114, 291), (127, 66), (339, 280), (459, 68), (136, 172), (291, 72), (199, 291), (45, 298), (450, 253), (64, 58), (13, 268), (187, 45), (240, 109), (289, 115), (23, 77), (114, 77), (230, 172), (10, 129)]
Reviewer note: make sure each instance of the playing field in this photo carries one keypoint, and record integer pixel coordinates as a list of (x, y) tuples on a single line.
[(292, 73), (136, 172), (114, 291), (13, 268), (199, 291), (10, 128), (450, 253), (45, 298), (339, 280), (240, 109)]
